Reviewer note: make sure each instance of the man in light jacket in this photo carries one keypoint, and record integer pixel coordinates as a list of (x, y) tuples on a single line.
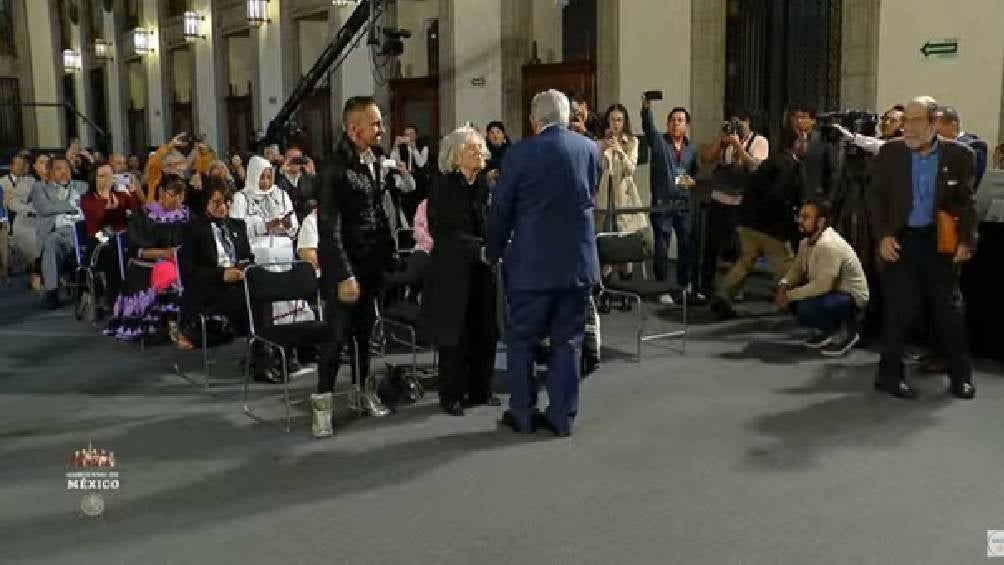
[(57, 204)]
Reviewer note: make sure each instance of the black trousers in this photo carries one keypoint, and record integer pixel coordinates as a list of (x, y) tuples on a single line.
[(922, 280), (352, 327), (465, 370), (719, 232)]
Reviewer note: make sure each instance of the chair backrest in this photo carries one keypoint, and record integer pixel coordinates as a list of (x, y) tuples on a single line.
[(121, 245), (616, 248), (270, 284)]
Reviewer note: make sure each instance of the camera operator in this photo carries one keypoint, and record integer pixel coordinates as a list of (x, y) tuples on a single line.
[(674, 166), (890, 127), (949, 126), (767, 220), (582, 120), (738, 154)]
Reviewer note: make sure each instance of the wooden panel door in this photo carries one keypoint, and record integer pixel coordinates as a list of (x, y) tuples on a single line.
[(240, 122), (567, 77), (415, 101), (316, 137)]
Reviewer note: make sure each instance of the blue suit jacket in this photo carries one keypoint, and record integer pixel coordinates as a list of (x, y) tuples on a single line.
[(545, 202)]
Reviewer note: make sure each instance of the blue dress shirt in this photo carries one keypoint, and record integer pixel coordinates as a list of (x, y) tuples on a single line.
[(924, 170)]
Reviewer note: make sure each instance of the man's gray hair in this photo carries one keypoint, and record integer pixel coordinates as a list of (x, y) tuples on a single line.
[(929, 104), (453, 143), (550, 107)]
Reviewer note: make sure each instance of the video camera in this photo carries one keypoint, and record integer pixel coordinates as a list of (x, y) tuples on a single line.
[(855, 121)]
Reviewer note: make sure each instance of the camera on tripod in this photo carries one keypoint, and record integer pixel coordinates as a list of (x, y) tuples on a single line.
[(855, 121)]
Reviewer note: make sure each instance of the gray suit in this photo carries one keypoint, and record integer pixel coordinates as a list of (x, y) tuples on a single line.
[(56, 241)]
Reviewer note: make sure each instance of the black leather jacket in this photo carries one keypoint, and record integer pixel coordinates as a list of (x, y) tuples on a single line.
[(354, 236)]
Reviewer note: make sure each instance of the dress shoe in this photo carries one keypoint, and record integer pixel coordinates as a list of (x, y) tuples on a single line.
[(899, 389), (509, 421), (52, 299), (963, 391), (454, 408), (542, 422)]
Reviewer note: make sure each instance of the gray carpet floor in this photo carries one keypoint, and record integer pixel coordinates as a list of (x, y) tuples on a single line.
[(747, 449)]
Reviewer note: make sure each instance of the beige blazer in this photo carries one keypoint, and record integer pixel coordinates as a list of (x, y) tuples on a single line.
[(619, 164)]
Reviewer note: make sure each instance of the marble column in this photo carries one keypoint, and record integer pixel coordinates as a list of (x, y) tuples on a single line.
[(470, 80), (47, 73)]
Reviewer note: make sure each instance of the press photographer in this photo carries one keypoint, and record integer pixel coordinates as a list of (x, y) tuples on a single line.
[(737, 154)]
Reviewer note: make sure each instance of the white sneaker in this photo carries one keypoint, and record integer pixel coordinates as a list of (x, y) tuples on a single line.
[(666, 300), (322, 407)]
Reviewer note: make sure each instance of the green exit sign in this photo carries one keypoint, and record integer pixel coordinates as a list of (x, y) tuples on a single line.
[(940, 49)]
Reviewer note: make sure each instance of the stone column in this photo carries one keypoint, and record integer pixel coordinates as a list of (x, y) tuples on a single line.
[(707, 69), (116, 84), (80, 41), (517, 41), (156, 92), (269, 82), (470, 62), (859, 44), (209, 80), (47, 72)]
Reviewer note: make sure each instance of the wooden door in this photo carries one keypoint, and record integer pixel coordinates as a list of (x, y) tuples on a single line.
[(577, 76), (316, 137), (240, 122), (181, 118), (415, 101)]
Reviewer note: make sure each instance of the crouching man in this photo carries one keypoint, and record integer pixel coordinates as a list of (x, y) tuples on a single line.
[(826, 286)]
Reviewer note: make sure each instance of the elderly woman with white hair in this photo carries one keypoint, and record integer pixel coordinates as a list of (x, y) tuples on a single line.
[(458, 308)]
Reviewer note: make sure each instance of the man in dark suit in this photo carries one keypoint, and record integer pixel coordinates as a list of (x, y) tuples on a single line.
[(916, 178), (541, 217)]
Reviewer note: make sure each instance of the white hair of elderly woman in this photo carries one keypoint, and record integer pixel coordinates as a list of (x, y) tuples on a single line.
[(453, 143), (550, 107)]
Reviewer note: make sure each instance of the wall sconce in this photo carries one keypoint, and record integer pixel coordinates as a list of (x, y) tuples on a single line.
[(142, 41), (192, 24), (258, 12), (102, 49), (71, 61)]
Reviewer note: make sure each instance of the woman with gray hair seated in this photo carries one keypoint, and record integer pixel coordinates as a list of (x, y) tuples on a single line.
[(458, 302)]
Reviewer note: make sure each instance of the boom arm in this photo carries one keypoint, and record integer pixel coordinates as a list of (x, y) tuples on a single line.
[(275, 132)]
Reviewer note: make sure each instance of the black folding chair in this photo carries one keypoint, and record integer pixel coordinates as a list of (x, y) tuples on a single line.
[(618, 248), (396, 308), (84, 285), (265, 284)]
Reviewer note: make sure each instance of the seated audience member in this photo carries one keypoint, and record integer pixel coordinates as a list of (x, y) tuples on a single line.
[(106, 210), (306, 241), (57, 204), (826, 285), (150, 293), (299, 181), (458, 306), (498, 144), (25, 228), (177, 157), (213, 256), (268, 213), (235, 163)]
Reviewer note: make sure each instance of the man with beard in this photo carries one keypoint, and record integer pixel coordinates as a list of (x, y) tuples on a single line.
[(924, 217), (826, 285), (354, 248)]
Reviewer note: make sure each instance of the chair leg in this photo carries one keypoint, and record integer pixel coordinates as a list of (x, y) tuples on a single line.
[(285, 390), (686, 298), (205, 348), (641, 325), (247, 374)]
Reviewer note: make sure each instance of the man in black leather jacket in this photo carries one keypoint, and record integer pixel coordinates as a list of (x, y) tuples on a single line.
[(354, 248)]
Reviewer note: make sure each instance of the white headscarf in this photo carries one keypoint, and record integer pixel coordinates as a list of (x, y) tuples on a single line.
[(270, 201)]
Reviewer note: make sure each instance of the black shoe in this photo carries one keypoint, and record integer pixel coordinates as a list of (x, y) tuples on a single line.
[(509, 421), (840, 344), (589, 366), (452, 408), (541, 422), (52, 299), (899, 389), (721, 309), (963, 391)]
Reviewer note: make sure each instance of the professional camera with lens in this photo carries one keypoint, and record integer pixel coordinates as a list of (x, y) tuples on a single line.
[(855, 121), (731, 127)]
